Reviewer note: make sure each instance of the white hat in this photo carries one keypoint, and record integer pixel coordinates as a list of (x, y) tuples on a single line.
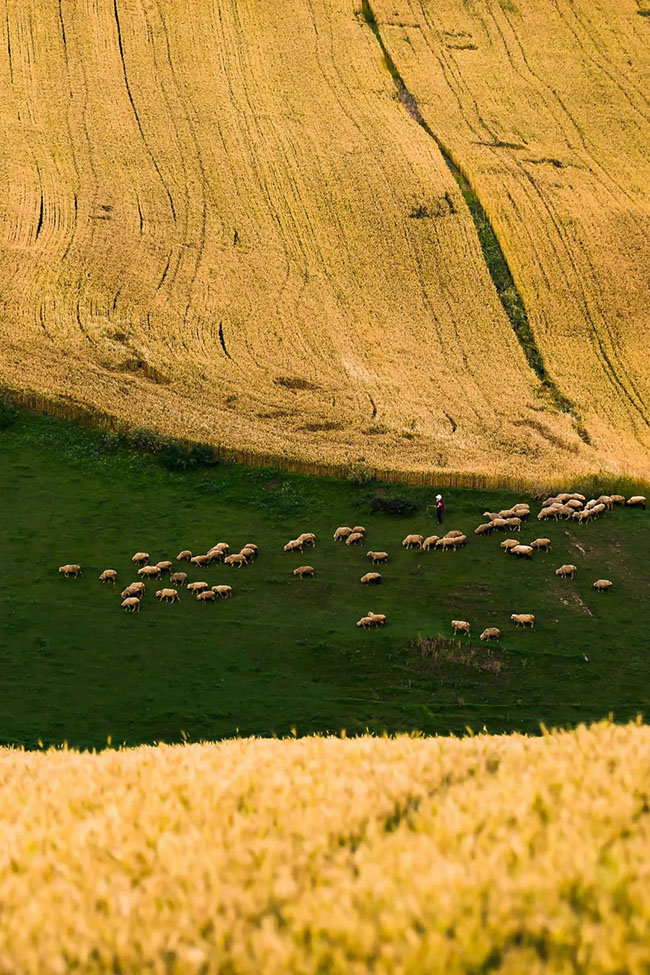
[(438, 497)]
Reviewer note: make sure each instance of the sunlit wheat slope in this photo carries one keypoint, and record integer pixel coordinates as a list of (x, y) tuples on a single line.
[(211, 224), (545, 105), (503, 855)]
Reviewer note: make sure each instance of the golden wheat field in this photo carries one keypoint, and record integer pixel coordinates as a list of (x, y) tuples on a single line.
[(545, 106), (207, 228), (407, 855)]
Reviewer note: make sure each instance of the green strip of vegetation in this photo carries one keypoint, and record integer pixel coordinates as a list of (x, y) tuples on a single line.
[(497, 265)]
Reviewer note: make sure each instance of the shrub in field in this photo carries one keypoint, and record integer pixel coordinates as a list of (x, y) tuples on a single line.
[(178, 457), (7, 414), (400, 506)]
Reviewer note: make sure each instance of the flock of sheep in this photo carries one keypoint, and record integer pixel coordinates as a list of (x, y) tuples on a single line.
[(562, 506)]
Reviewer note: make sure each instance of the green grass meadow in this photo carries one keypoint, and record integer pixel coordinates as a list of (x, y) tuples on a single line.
[(284, 654)]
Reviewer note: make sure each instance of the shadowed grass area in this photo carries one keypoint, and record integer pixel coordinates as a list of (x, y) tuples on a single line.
[(282, 653)]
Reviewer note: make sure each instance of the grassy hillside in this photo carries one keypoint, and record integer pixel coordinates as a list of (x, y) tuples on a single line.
[(556, 151), (282, 653), (490, 854), (236, 231)]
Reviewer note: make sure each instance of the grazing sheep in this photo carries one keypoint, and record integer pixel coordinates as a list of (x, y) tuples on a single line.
[(460, 626), (563, 511), (235, 560), (521, 509), (508, 544), (446, 543), (371, 579), (563, 497), (254, 547), (140, 558), (184, 556), (599, 508), (591, 504), (577, 497), (522, 551), (549, 502), (606, 500), (221, 547), (430, 542), (618, 499), (70, 571), (413, 541), (574, 504), (197, 586), (342, 533), (308, 538), (454, 534), (249, 554), (359, 530), (131, 604), (304, 572), (507, 513), (459, 541), (546, 513), (294, 545), (180, 578), (638, 501), (499, 524), (514, 523), (201, 560), (356, 538), (485, 529), (223, 592), (165, 566), (168, 596), (378, 558), (108, 575), (603, 585), (491, 633), (566, 571), (366, 622), (379, 619), (541, 544), (523, 619), (216, 554), (491, 515), (206, 596), (150, 572), (583, 516), (135, 589)]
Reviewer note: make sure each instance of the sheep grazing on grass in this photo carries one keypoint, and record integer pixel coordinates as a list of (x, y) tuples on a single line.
[(165, 566), (304, 572), (485, 529), (460, 626), (521, 551), (617, 499), (583, 516), (342, 533), (453, 543), (603, 585), (221, 547), (574, 504), (356, 538), (521, 511), (359, 530), (499, 524), (507, 513), (135, 589), (201, 560), (413, 541), (430, 542), (638, 501), (308, 539), (179, 578), (491, 633), (70, 571), (168, 596), (508, 544), (379, 619), (140, 558), (377, 558), (454, 534), (566, 571), (249, 554), (294, 545), (108, 575), (490, 515), (606, 500), (184, 556), (599, 508), (514, 523), (131, 604), (223, 592), (197, 586), (206, 596), (371, 579), (150, 572), (253, 547), (366, 622), (216, 554), (523, 619), (236, 560), (541, 544)]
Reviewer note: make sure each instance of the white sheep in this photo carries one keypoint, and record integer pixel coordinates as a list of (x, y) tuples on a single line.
[(378, 558), (342, 533), (638, 501), (131, 604), (460, 626), (294, 545), (491, 633), (184, 556), (430, 542), (109, 575), (413, 541), (523, 619), (304, 572), (356, 538), (566, 571), (308, 539), (140, 558), (522, 551), (168, 596), (603, 585), (371, 579), (223, 592), (150, 572), (70, 571)]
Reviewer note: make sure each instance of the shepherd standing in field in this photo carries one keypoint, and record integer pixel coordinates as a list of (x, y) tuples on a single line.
[(440, 508)]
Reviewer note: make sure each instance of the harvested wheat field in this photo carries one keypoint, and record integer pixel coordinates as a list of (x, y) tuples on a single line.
[(545, 106), (487, 854), (213, 225)]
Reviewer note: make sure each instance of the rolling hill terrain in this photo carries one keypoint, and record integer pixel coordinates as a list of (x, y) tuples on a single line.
[(226, 220)]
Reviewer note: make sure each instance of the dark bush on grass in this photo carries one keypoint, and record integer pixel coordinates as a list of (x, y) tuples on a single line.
[(7, 414), (400, 507), (177, 457)]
